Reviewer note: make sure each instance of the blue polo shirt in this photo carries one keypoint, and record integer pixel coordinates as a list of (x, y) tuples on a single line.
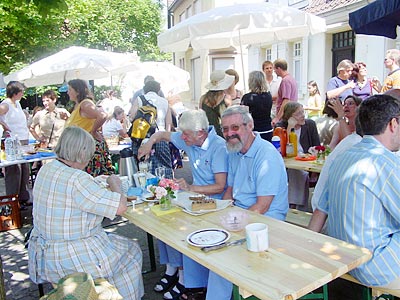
[(259, 172), (207, 160)]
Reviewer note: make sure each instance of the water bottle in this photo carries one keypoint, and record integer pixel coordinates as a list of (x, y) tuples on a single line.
[(18, 148), (276, 141), (9, 148)]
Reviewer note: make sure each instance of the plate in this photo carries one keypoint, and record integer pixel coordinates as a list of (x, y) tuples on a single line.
[(306, 158), (182, 200), (208, 237)]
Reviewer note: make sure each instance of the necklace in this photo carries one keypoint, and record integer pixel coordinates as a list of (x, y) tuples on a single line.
[(63, 162)]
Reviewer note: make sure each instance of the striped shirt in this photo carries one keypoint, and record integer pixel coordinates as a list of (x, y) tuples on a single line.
[(361, 199)]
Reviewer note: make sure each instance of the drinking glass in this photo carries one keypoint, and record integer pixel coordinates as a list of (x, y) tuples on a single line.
[(160, 172), (142, 180)]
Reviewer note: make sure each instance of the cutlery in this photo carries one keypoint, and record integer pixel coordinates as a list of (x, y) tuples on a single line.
[(223, 245)]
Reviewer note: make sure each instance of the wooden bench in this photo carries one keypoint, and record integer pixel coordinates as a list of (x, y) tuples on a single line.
[(301, 218)]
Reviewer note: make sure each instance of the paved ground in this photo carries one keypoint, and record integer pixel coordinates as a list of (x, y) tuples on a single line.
[(15, 260)]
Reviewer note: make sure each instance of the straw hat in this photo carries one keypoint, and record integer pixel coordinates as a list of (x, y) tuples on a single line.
[(76, 286), (219, 81)]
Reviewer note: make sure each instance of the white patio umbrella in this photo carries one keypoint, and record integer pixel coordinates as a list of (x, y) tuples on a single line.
[(173, 79), (240, 24), (72, 63)]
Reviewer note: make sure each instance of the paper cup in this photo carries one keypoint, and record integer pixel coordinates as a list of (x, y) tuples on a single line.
[(257, 237)]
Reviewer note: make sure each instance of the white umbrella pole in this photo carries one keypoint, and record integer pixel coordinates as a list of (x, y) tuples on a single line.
[(241, 58)]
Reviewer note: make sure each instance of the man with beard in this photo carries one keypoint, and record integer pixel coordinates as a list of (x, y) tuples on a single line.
[(257, 179)]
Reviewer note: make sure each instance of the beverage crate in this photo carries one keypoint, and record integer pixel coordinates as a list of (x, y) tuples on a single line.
[(10, 213)]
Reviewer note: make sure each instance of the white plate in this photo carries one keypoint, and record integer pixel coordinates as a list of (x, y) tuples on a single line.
[(208, 237), (185, 203)]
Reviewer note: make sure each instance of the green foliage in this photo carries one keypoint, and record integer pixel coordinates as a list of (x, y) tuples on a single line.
[(33, 29), (100, 92)]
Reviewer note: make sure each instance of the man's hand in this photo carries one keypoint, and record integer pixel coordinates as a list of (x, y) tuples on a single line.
[(145, 150), (183, 185), (115, 183)]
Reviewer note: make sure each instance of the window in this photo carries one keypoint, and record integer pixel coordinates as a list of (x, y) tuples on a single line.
[(182, 63), (268, 54), (297, 63), (196, 7), (182, 16), (189, 12), (343, 39)]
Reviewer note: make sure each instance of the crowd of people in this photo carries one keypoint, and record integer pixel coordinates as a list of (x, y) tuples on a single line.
[(230, 155)]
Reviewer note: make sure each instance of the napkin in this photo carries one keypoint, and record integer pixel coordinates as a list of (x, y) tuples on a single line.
[(158, 212)]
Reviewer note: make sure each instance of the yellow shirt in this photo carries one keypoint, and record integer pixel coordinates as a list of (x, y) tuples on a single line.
[(77, 120), (392, 81)]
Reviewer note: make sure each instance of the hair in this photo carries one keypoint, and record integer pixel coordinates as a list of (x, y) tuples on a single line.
[(110, 93), (395, 55), (356, 99), (117, 111), (289, 110), (375, 112), (344, 65), (151, 86), (266, 63), (76, 145), (36, 109), (50, 94), (395, 93), (329, 110), (82, 89), (148, 78), (232, 72), (242, 110), (212, 97), (257, 82), (356, 69), (194, 120), (313, 83), (13, 88), (281, 63)]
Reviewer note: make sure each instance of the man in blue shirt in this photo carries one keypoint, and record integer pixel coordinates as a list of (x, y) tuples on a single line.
[(209, 165), (257, 179), (361, 197)]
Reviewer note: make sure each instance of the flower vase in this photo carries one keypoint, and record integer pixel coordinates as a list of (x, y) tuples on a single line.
[(165, 202), (320, 157)]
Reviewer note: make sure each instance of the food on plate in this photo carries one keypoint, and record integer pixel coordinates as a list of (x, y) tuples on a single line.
[(131, 198), (204, 204), (197, 197)]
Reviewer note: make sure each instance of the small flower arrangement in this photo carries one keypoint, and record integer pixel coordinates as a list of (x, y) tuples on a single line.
[(320, 152), (164, 191)]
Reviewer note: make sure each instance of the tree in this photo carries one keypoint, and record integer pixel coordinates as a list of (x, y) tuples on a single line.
[(33, 29)]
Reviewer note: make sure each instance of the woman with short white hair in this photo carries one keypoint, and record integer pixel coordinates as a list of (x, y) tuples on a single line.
[(68, 210)]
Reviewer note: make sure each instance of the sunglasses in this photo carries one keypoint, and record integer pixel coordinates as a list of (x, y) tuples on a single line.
[(233, 127)]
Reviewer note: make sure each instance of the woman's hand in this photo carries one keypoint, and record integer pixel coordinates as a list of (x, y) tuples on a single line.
[(292, 122), (145, 150), (337, 106)]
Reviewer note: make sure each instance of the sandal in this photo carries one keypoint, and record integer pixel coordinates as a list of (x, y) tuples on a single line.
[(194, 294), (175, 293), (166, 282)]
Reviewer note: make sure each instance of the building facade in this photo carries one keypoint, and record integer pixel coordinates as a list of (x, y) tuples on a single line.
[(309, 58)]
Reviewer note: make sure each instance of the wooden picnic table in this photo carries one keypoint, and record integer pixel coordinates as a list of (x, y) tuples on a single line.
[(310, 166), (297, 262)]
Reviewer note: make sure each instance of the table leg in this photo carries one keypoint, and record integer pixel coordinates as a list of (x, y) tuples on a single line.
[(150, 245)]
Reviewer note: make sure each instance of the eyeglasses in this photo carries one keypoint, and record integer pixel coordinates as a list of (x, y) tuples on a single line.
[(233, 127)]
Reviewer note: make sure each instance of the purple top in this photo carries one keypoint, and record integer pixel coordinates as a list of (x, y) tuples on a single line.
[(363, 92)]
